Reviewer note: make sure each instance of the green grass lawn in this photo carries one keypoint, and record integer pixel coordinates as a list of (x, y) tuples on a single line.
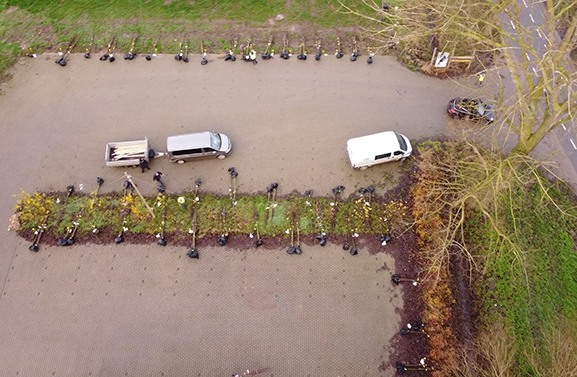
[(321, 12), (9, 52), (534, 289)]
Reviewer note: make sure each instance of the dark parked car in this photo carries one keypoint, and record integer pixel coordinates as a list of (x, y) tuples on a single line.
[(471, 108)]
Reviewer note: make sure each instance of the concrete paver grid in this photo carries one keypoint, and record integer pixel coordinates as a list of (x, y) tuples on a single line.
[(289, 122), (149, 310)]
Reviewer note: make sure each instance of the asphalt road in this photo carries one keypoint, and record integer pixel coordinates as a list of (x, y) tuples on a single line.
[(140, 310), (532, 15)]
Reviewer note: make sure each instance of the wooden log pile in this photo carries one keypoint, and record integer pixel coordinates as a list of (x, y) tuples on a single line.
[(127, 152)]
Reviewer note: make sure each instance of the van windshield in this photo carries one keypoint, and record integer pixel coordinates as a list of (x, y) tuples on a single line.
[(402, 142), (215, 141)]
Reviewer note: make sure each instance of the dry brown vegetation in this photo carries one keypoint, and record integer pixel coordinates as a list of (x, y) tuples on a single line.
[(497, 214)]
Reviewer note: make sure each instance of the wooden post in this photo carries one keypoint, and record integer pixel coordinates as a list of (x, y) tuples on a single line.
[(471, 61), (139, 194), (450, 58), (433, 58)]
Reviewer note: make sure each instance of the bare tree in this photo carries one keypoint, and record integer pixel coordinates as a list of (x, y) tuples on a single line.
[(536, 56)]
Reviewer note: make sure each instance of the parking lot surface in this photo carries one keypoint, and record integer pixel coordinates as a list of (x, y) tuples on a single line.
[(122, 310)]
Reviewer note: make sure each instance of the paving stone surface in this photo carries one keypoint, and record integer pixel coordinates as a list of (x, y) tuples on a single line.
[(122, 310), (146, 310)]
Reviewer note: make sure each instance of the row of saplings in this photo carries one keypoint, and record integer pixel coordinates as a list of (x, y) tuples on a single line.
[(248, 51), (272, 201)]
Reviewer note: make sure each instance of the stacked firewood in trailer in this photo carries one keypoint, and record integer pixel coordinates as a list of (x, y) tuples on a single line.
[(127, 153)]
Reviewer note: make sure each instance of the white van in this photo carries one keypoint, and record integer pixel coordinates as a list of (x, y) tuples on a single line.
[(375, 149), (186, 147)]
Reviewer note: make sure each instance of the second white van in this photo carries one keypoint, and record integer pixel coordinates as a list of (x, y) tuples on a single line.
[(366, 151)]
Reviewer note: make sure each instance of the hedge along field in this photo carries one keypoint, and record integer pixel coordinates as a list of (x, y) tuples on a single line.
[(272, 216)]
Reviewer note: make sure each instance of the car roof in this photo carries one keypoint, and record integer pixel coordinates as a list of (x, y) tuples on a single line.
[(188, 141), (477, 100), (375, 144)]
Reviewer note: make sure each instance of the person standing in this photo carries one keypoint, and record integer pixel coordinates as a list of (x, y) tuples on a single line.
[(481, 78), (128, 186), (158, 177), (143, 164)]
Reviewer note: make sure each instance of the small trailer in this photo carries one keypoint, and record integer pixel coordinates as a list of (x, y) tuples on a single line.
[(127, 153)]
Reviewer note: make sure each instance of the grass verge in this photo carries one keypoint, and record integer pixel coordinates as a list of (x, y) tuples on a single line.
[(534, 291), (41, 25), (517, 231), (9, 53)]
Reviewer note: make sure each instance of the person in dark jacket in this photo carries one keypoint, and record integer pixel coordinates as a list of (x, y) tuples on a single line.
[(144, 164), (158, 177)]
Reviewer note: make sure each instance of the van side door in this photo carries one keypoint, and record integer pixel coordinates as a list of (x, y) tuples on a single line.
[(208, 151), (398, 155), (384, 156)]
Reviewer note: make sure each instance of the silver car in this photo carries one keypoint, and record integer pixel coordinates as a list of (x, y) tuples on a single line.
[(186, 147)]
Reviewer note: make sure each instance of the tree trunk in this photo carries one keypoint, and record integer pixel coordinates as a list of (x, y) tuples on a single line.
[(520, 148), (526, 144)]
